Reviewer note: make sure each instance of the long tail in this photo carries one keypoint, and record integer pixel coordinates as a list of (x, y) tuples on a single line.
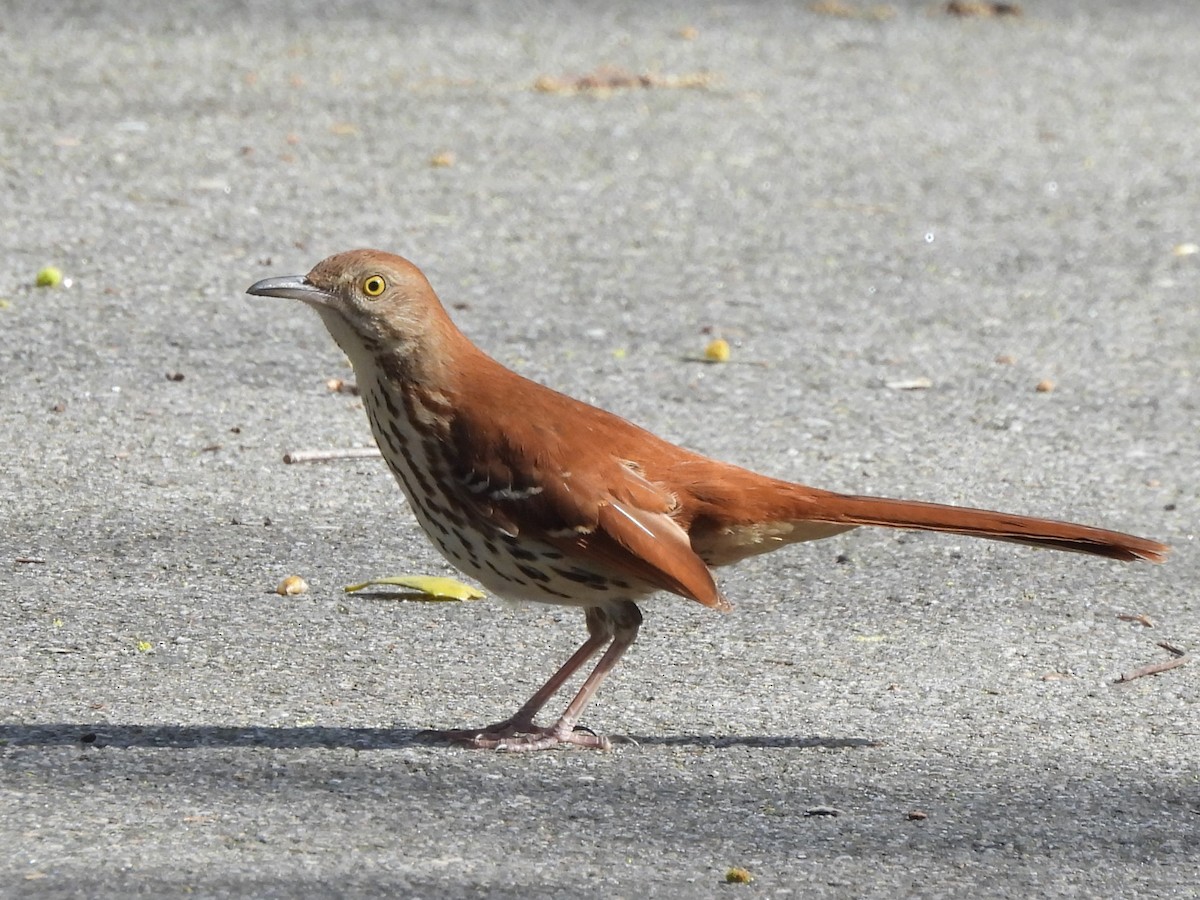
[(846, 509), (732, 513)]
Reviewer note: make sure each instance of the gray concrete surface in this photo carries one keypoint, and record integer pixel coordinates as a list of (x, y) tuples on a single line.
[(851, 201)]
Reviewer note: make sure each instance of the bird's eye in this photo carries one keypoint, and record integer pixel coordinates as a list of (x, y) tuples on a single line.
[(373, 285)]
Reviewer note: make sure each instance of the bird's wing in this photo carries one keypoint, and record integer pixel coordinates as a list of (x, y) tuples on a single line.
[(579, 498)]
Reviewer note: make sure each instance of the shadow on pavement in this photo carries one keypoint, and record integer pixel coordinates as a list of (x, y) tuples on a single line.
[(99, 735)]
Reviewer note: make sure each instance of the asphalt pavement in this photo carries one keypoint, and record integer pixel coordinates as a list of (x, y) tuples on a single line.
[(956, 258)]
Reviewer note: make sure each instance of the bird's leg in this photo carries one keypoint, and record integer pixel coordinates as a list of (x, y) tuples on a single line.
[(617, 626), (521, 722)]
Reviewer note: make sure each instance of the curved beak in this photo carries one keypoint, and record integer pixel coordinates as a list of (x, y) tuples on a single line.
[(293, 287)]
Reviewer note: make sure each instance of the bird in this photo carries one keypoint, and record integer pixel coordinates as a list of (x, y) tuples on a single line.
[(542, 497)]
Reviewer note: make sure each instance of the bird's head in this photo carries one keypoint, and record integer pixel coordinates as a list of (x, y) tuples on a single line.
[(370, 301)]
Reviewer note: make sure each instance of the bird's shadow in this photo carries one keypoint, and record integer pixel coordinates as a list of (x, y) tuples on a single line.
[(106, 734)]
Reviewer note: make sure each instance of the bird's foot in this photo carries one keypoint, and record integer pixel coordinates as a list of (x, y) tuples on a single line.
[(517, 736)]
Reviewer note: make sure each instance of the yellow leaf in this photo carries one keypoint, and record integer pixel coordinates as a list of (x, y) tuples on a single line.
[(436, 588), (717, 350)]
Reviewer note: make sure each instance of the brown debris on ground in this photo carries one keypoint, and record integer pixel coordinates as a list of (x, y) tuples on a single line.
[(606, 80)]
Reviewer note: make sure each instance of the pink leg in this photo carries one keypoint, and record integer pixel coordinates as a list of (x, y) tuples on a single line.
[(521, 722), (617, 624)]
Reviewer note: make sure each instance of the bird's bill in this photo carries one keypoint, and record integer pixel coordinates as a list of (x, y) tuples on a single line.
[(293, 287)]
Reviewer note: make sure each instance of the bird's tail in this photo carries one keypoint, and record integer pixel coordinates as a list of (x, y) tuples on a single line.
[(734, 513), (850, 510)]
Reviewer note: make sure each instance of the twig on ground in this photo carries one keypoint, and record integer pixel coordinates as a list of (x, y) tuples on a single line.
[(303, 456), (1140, 619), (1152, 669)]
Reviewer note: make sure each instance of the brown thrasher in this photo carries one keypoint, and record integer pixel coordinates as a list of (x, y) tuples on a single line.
[(543, 497)]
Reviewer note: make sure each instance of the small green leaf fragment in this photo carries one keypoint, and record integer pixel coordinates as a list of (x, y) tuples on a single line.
[(49, 277)]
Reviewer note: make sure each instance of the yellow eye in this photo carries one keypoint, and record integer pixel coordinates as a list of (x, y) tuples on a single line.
[(373, 285)]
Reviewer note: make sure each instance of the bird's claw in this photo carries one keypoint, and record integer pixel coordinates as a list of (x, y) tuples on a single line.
[(519, 736)]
